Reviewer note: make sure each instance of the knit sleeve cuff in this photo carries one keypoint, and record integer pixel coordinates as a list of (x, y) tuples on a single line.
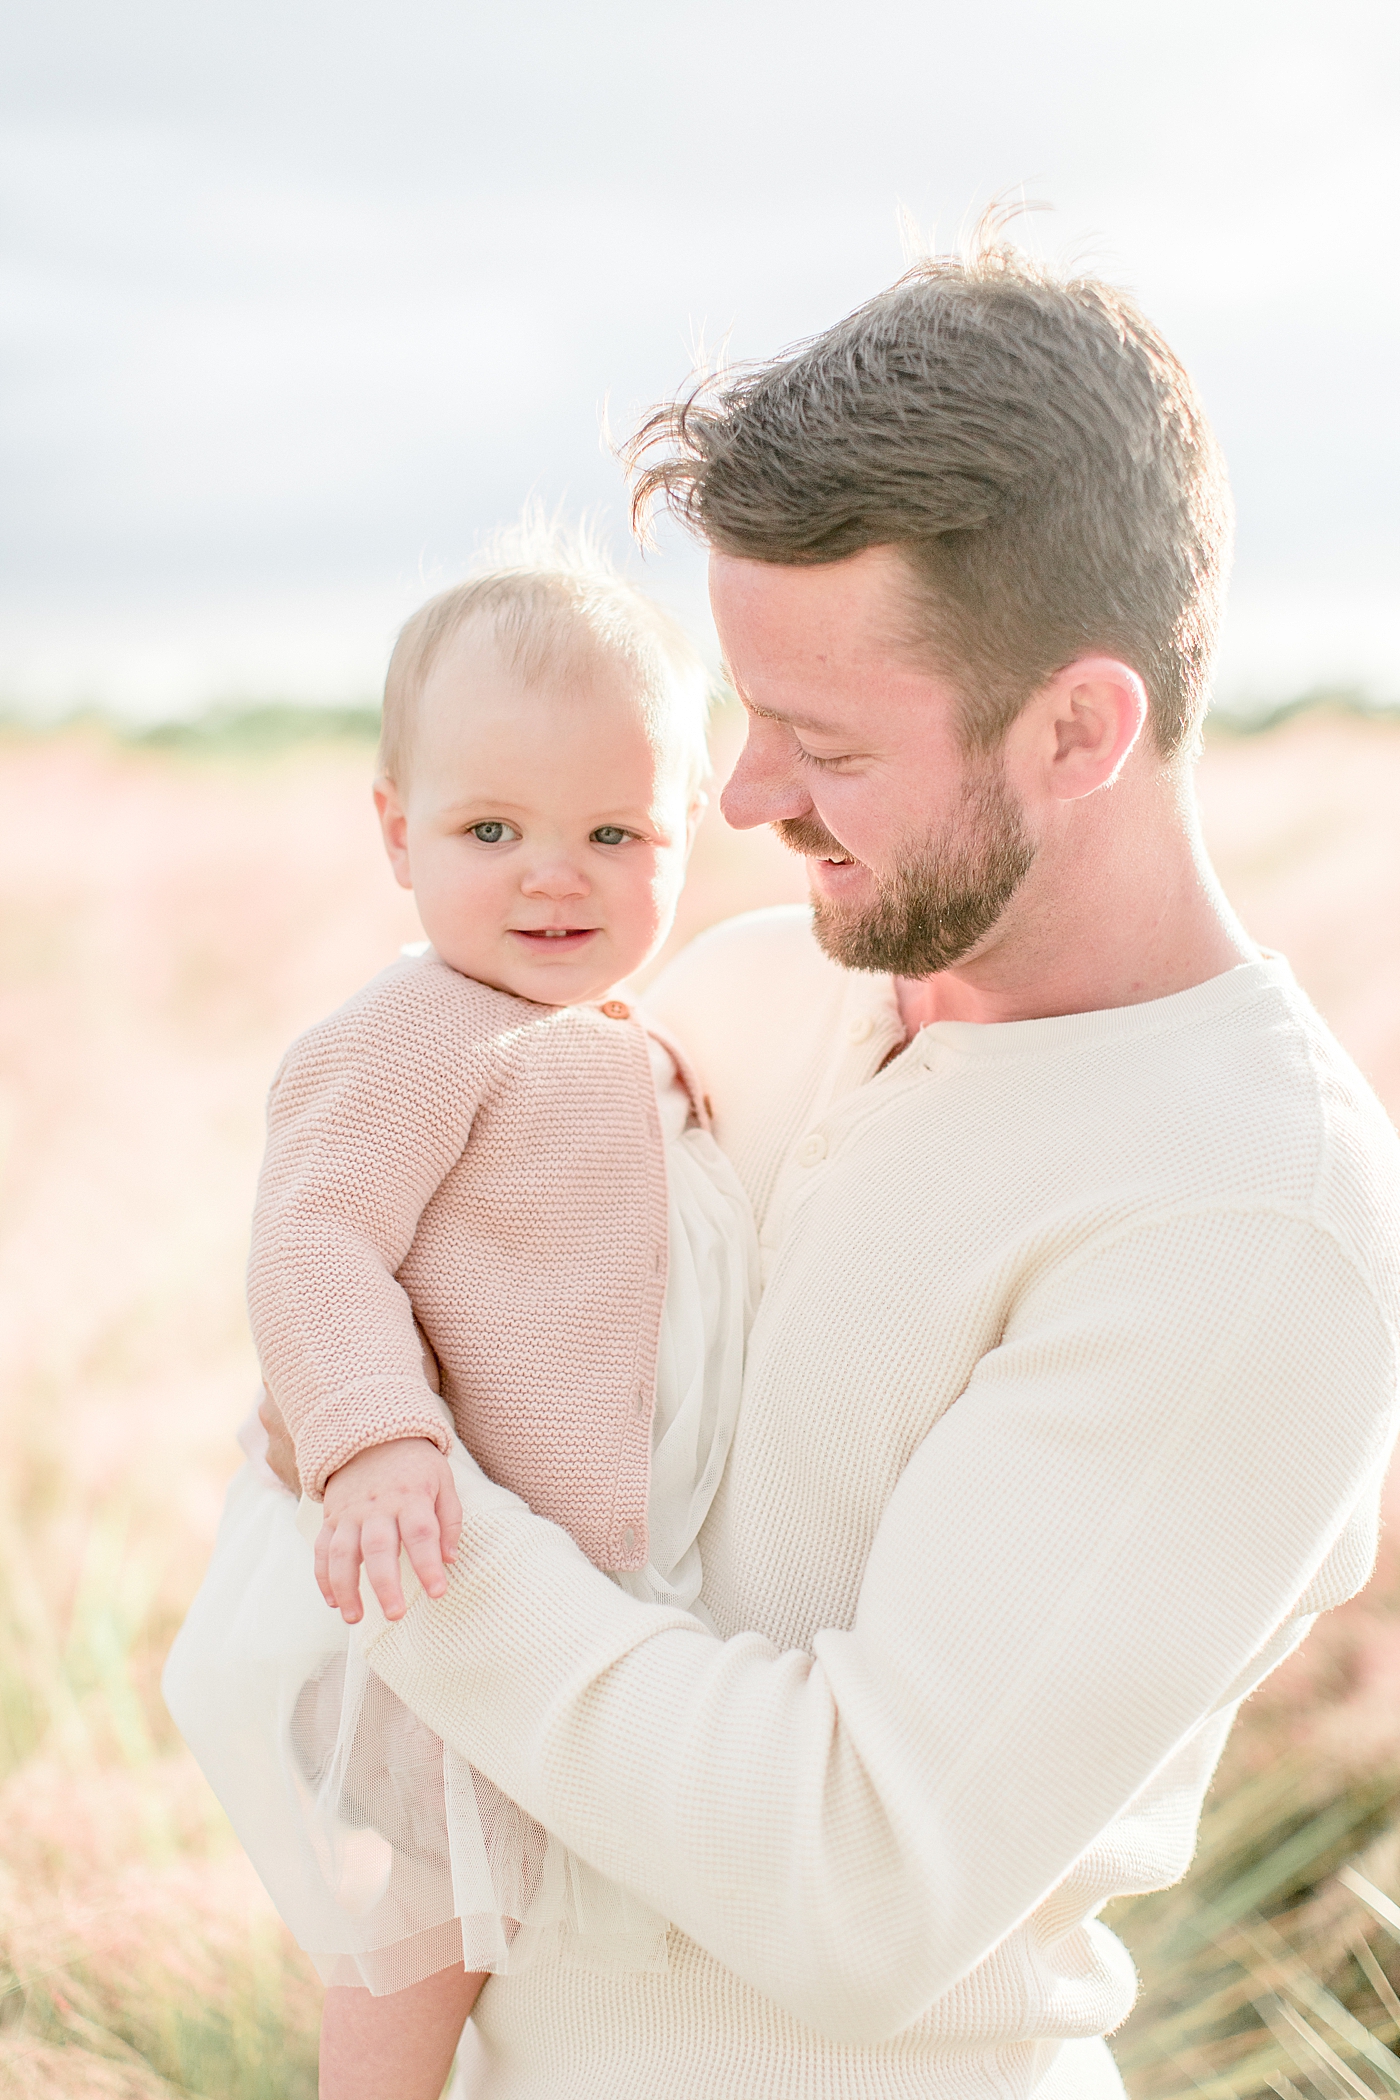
[(359, 1420)]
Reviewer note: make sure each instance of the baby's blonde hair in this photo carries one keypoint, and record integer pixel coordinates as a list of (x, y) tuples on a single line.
[(549, 599)]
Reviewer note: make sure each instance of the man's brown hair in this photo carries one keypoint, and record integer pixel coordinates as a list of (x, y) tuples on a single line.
[(1030, 443)]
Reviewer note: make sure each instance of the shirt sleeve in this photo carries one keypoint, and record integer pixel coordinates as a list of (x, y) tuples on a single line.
[(1076, 1567), (366, 1116)]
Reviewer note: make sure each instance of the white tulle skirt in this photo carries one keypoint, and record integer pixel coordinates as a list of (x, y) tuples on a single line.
[(389, 1857)]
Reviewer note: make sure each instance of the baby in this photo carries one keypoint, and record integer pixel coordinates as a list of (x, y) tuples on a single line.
[(491, 1211)]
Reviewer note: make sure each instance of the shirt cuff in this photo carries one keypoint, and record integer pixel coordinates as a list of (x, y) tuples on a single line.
[(355, 1422)]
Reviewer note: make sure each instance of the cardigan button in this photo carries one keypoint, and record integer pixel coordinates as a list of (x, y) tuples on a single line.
[(812, 1149), (861, 1029), (616, 1009)]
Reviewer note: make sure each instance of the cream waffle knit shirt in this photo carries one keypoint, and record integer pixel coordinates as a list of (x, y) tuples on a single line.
[(1066, 1407)]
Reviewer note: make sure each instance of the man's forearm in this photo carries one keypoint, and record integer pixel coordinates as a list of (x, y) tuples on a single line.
[(1074, 1571), (699, 1773)]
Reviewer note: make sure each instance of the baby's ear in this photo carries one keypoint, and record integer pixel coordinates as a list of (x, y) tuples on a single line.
[(699, 804), (393, 823)]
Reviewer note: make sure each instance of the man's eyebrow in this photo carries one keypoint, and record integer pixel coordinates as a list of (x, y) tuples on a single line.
[(776, 714)]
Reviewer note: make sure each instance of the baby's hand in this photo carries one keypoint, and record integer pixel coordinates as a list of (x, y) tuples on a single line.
[(391, 1496)]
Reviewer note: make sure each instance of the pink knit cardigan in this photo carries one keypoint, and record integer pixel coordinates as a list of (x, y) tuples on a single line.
[(446, 1161)]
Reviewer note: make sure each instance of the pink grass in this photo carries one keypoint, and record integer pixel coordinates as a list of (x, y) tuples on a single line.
[(167, 924)]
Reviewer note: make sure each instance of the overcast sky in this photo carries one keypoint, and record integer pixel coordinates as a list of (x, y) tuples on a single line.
[(300, 298)]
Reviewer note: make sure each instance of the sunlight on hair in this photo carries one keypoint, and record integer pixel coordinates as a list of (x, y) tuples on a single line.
[(547, 594), (543, 542), (1024, 436)]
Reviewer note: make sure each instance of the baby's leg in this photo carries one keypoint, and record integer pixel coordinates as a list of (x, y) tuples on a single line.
[(398, 2047)]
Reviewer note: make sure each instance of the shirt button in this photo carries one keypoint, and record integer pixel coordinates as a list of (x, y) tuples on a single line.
[(812, 1149), (616, 1009), (861, 1029)]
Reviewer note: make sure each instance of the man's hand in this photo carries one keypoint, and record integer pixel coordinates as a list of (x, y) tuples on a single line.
[(398, 1495)]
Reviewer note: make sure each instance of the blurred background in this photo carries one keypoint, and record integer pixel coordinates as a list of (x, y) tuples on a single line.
[(300, 297), (299, 302)]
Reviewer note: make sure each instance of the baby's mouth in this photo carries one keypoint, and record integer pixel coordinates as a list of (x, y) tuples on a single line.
[(558, 936)]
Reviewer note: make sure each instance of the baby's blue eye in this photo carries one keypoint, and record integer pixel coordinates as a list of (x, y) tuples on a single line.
[(608, 835), (490, 834)]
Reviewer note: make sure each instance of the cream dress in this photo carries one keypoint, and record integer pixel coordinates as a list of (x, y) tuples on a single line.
[(388, 1856)]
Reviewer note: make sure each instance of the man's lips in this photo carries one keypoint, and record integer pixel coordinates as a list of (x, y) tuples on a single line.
[(809, 837), (836, 874)]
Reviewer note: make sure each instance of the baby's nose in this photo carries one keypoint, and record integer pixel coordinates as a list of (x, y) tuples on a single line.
[(557, 875)]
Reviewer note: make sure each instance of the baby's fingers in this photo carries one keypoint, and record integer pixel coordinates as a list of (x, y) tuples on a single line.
[(422, 1538), (342, 1585), (380, 1539), (449, 1509), (323, 1561)]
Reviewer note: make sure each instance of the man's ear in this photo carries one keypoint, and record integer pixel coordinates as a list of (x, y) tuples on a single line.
[(1082, 724), (394, 825)]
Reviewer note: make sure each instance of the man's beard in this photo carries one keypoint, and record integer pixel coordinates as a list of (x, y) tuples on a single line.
[(942, 903)]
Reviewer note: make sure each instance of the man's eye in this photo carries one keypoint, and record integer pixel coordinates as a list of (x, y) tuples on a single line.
[(490, 833), (816, 758), (608, 835)]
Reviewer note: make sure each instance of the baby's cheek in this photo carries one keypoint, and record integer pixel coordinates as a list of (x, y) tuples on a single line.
[(460, 915), (638, 912), (668, 879)]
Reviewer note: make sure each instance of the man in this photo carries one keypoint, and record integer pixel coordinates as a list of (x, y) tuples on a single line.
[(1075, 1374)]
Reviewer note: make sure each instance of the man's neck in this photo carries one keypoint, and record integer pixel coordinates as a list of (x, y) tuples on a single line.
[(1140, 917)]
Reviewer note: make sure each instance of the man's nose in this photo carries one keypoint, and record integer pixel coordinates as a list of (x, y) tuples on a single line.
[(765, 785)]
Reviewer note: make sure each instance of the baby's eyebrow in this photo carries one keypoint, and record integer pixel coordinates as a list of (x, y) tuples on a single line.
[(497, 804)]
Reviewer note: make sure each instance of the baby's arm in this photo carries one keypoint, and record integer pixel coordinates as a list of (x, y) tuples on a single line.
[(367, 1115)]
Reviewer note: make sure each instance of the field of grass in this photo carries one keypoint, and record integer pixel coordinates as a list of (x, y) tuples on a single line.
[(170, 915)]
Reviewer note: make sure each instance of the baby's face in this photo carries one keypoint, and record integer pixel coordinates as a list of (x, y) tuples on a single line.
[(544, 842)]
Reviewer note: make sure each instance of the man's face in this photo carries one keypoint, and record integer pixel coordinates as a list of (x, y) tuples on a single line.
[(914, 847)]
